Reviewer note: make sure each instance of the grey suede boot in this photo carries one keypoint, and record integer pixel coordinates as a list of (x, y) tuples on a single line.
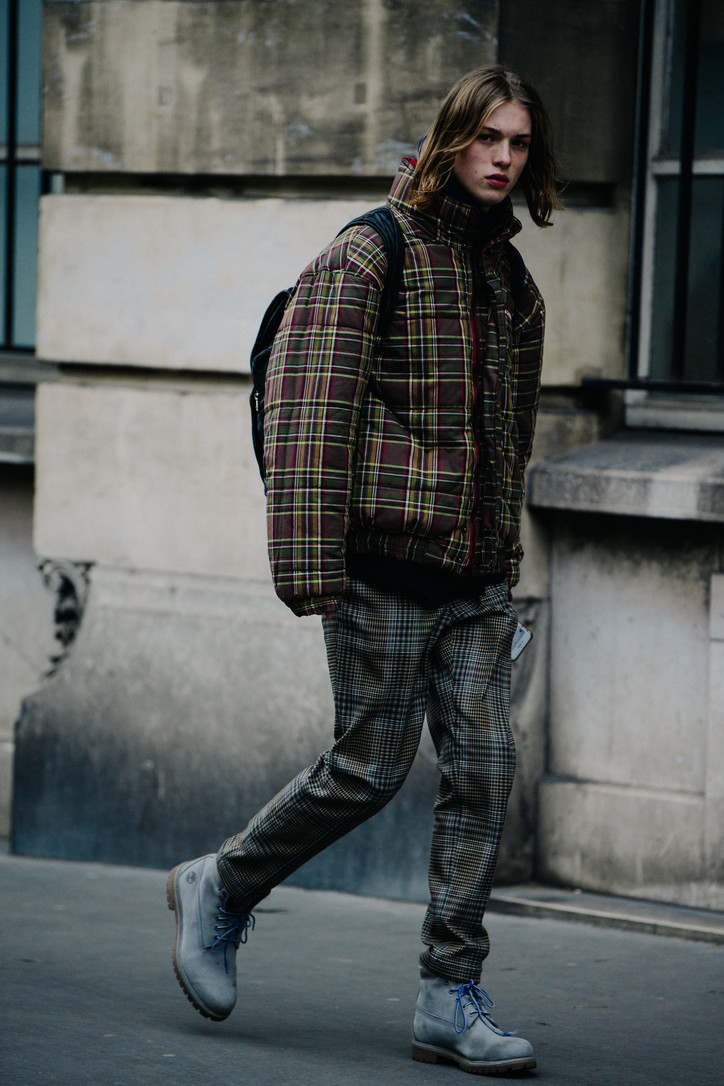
[(208, 934), (453, 1022)]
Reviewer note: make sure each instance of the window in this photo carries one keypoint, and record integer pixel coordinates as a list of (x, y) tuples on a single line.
[(678, 315), (20, 175)]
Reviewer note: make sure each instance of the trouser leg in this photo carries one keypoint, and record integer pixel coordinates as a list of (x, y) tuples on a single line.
[(468, 717), (376, 646)]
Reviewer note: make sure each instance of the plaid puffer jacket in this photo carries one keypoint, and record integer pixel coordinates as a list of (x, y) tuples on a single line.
[(414, 445)]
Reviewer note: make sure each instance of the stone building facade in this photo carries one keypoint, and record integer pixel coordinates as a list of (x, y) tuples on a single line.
[(196, 155)]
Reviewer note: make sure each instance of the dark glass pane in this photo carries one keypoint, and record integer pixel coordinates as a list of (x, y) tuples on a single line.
[(704, 279), (698, 296), (702, 294), (674, 81), (709, 62), (710, 91), (3, 262), (662, 309), (3, 71), (26, 255), (29, 75)]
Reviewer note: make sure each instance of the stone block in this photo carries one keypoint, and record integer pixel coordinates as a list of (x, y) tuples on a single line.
[(717, 607), (180, 283), (150, 478), (184, 705), (311, 87), (26, 617), (557, 431), (628, 841), (585, 299), (26, 607), (170, 282), (714, 785), (630, 653), (671, 477)]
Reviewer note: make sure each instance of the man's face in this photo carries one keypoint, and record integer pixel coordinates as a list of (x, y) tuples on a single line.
[(490, 166)]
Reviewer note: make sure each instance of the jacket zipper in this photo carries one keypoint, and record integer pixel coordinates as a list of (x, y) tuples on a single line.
[(472, 540)]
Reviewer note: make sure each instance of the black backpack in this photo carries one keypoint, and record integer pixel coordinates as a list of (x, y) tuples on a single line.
[(387, 226)]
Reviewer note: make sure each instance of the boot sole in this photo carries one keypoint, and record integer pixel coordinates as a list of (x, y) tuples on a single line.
[(171, 901), (433, 1054)]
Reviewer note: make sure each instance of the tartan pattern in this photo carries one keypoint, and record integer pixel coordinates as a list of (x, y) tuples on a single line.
[(414, 446), (391, 661)]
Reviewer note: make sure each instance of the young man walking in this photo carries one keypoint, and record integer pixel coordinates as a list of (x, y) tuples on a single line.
[(394, 461)]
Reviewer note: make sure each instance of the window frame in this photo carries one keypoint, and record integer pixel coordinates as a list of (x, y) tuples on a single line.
[(676, 402)]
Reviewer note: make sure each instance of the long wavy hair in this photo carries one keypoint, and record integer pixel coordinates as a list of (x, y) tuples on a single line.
[(459, 121)]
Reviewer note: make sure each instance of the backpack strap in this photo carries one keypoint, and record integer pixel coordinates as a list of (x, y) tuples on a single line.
[(259, 361), (517, 272), (383, 220)]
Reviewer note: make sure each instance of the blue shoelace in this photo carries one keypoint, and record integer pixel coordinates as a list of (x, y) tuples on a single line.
[(476, 1001), (233, 929)]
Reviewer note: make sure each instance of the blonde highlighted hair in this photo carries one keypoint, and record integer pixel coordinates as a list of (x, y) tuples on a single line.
[(459, 121)]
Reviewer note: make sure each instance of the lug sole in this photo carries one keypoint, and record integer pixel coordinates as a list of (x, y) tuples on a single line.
[(433, 1054), (171, 901)]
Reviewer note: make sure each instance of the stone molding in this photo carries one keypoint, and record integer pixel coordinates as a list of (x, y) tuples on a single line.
[(664, 475), (70, 582)]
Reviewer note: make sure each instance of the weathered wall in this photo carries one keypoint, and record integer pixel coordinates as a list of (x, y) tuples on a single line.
[(171, 282), (193, 98), (26, 625), (118, 273), (309, 87), (319, 87), (632, 798)]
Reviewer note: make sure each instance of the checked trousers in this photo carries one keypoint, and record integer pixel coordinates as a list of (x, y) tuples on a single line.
[(394, 662)]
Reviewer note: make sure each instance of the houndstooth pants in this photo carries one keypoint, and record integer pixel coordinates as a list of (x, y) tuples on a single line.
[(392, 661)]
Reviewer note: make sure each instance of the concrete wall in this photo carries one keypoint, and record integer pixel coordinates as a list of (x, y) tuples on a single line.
[(119, 271), (26, 616), (631, 802), (319, 87), (311, 87), (202, 153)]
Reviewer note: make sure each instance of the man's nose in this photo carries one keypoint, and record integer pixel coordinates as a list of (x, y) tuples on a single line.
[(502, 153)]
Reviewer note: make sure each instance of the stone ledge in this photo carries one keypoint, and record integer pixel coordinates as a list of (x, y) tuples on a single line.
[(665, 475), (606, 910)]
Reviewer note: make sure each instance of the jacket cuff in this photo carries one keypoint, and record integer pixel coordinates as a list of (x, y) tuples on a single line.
[(315, 605)]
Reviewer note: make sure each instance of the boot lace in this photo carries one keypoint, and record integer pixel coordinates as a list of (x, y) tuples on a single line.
[(233, 929), (477, 1003)]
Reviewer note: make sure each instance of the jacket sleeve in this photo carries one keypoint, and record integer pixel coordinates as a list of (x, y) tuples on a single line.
[(318, 372), (528, 329)]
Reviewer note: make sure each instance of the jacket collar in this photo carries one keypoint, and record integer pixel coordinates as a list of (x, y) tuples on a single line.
[(454, 219)]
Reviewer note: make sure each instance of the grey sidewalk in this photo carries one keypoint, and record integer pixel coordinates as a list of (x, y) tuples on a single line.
[(327, 987)]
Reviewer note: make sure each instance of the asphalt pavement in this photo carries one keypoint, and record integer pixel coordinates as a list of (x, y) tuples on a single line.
[(327, 986)]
